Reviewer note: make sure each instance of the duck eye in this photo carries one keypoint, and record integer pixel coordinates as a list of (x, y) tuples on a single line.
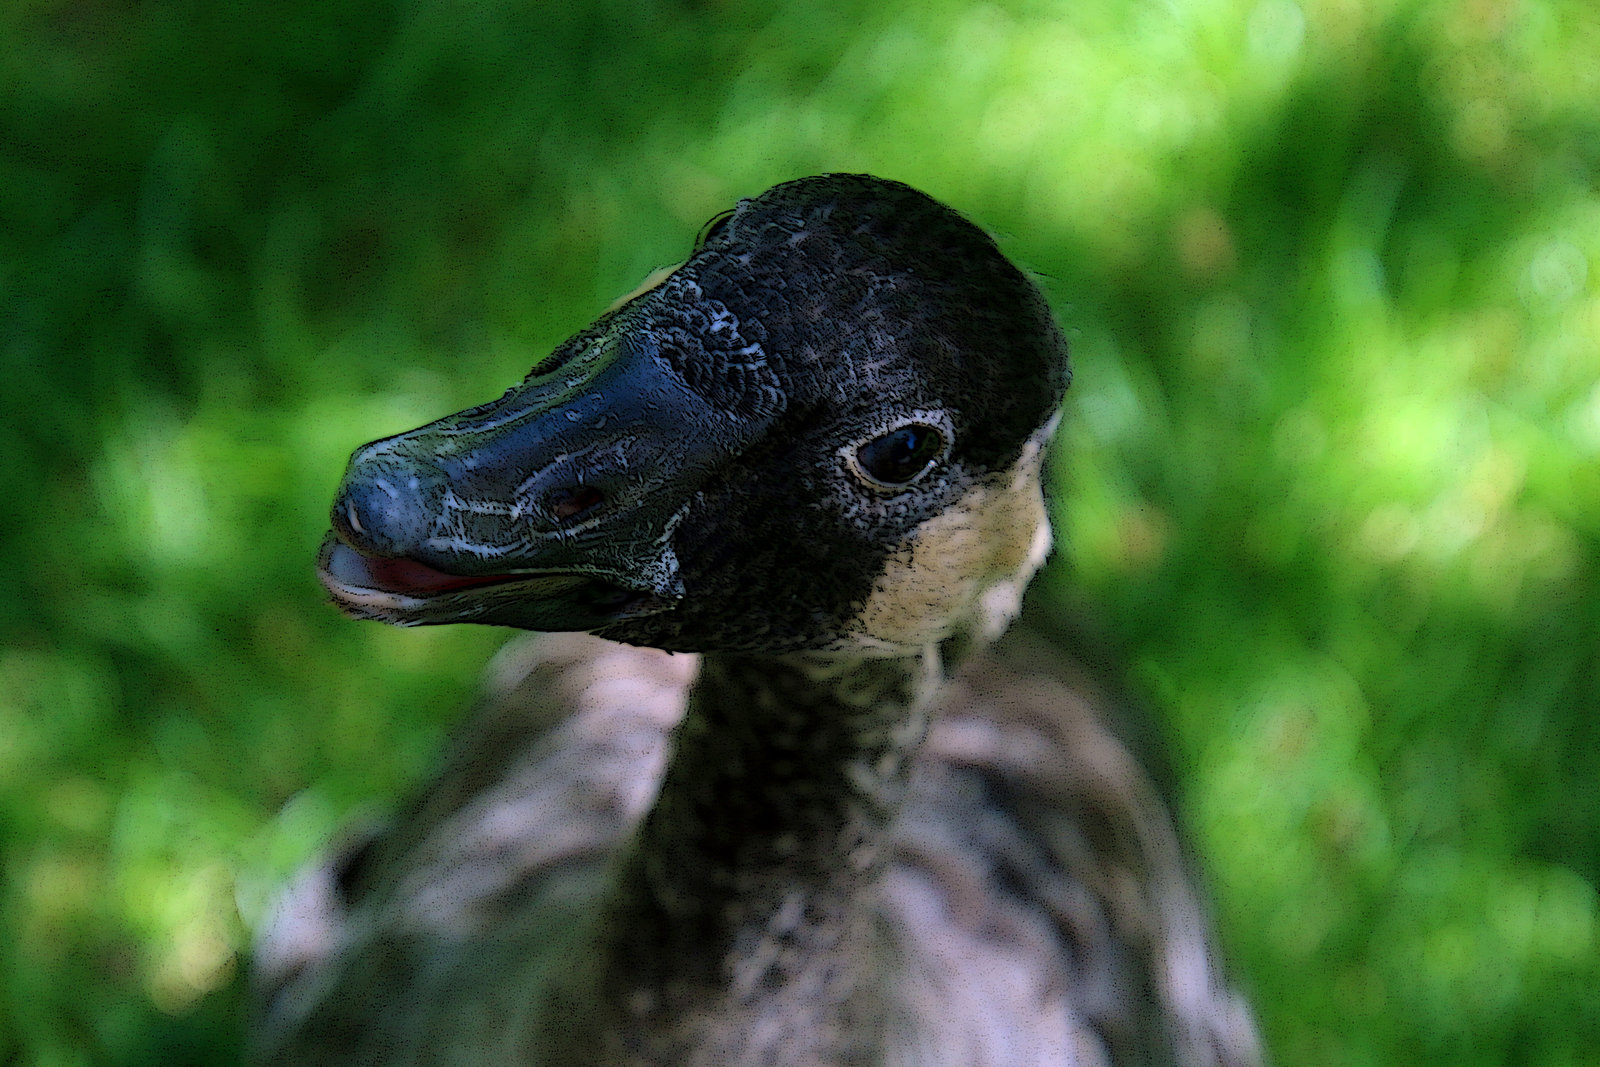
[(900, 456)]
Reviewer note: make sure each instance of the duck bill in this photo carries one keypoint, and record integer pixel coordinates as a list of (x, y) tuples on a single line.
[(406, 593), (552, 508)]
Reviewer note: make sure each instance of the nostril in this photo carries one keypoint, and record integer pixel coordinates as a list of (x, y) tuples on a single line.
[(569, 502)]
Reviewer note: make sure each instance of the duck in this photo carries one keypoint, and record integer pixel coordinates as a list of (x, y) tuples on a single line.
[(770, 782)]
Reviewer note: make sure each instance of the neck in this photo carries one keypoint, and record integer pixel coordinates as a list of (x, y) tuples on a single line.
[(748, 893)]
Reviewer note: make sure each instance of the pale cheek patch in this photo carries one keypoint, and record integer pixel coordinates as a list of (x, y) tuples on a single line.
[(966, 567)]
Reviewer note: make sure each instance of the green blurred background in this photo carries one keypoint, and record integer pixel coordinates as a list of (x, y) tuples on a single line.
[(1330, 270)]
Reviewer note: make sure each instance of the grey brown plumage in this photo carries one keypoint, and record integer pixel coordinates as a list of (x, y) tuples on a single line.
[(846, 833)]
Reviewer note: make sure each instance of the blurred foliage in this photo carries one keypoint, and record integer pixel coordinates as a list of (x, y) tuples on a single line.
[(1334, 478)]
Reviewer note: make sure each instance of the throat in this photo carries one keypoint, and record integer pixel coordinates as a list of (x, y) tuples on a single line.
[(748, 895)]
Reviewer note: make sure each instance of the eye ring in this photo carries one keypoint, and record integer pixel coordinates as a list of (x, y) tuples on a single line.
[(901, 455)]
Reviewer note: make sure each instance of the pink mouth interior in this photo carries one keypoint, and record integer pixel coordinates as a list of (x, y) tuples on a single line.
[(400, 575)]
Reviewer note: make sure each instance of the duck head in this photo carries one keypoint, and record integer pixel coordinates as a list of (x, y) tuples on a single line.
[(822, 431)]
